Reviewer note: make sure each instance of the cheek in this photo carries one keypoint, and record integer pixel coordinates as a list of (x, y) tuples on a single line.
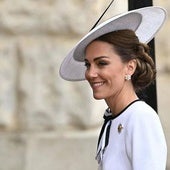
[(86, 75), (116, 75)]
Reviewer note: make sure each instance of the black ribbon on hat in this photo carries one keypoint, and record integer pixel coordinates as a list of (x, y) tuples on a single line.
[(102, 15)]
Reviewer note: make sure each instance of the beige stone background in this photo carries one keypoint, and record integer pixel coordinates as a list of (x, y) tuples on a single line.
[(45, 122)]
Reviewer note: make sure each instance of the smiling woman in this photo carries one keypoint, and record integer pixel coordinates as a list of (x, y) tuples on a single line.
[(105, 70), (126, 44), (117, 66)]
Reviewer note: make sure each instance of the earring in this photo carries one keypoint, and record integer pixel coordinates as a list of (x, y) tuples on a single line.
[(127, 77)]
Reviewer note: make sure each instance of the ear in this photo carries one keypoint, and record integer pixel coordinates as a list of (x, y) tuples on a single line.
[(131, 67)]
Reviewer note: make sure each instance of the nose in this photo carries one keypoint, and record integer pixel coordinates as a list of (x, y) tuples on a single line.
[(91, 73)]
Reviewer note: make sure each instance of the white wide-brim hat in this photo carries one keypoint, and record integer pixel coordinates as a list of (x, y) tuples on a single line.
[(144, 21)]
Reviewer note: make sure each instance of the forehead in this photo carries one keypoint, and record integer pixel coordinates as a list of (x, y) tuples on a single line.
[(98, 49), (98, 46)]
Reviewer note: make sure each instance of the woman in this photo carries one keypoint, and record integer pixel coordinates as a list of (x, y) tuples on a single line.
[(117, 66)]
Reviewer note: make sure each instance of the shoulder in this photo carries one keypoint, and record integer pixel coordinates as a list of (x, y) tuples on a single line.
[(143, 117), (141, 110), (144, 131)]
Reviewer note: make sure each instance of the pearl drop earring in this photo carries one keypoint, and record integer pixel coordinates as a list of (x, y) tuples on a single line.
[(127, 77)]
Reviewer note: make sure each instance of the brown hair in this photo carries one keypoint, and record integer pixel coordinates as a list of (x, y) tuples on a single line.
[(127, 45)]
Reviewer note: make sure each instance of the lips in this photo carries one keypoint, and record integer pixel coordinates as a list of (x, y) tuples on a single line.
[(95, 85)]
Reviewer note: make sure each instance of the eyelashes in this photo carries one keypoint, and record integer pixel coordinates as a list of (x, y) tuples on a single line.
[(102, 63), (87, 64), (98, 64)]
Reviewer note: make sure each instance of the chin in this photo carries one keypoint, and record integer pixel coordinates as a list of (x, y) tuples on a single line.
[(97, 97)]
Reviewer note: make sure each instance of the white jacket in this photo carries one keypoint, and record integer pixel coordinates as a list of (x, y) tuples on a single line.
[(136, 140)]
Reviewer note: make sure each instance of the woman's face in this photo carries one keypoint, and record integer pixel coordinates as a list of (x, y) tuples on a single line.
[(105, 70)]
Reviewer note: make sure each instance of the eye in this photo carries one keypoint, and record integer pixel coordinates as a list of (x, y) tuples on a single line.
[(102, 63), (87, 64)]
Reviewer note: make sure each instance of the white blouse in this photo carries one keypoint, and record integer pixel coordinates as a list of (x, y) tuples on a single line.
[(133, 140)]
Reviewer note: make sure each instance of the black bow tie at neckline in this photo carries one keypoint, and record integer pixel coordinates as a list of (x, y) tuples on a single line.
[(105, 132), (107, 116)]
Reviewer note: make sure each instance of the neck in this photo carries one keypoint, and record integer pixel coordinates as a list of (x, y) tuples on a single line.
[(119, 102)]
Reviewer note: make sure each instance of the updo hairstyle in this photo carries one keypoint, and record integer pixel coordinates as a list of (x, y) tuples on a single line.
[(128, 47)]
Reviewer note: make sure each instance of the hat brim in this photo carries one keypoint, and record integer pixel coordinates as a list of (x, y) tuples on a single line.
[(146, 22)]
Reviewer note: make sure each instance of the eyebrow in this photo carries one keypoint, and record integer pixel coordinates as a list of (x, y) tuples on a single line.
[(97, 58)]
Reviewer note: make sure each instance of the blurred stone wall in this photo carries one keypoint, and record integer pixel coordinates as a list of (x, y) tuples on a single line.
[(46, 122)]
